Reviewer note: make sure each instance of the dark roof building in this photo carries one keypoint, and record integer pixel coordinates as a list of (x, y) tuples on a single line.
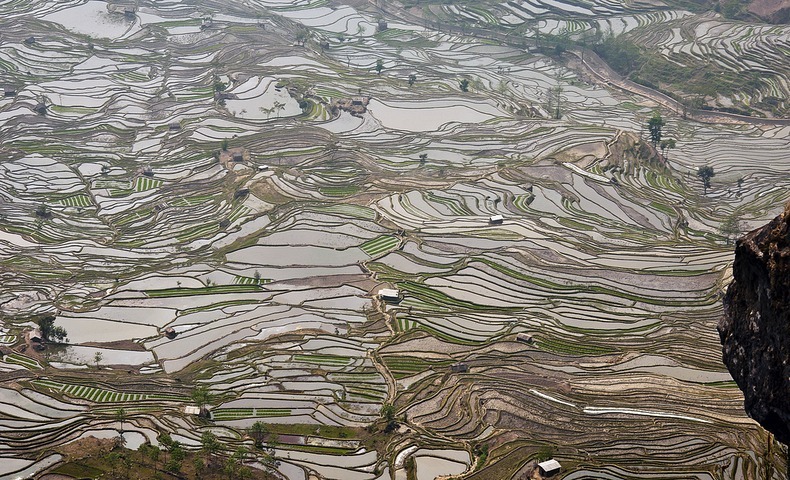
[(524, 337), (459, 368)]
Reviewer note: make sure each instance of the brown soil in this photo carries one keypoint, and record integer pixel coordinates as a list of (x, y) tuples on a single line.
[(769, 9)]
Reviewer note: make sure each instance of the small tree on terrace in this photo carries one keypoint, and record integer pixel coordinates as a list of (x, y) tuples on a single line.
[(97, 357), (705, 174), (388, 413), (120, 417), (655, 124), (302, 36), (412, 79), (730, 229), (464, 85), (379, 66), (210, 446), (667, 144), (51, 332), (202, 397), (258, 432)]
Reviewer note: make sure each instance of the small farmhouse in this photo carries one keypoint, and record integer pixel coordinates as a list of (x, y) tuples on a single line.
[(389, 294), (496, 219), (549, 467), (524, 337), (459, 368)]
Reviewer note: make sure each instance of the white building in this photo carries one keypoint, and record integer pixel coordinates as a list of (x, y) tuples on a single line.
[(389, 294), (549, 467)]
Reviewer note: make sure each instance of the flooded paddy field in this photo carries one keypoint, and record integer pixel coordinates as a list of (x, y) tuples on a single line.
[(216, 195)]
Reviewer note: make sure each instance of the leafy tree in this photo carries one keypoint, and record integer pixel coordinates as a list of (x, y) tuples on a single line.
[(379, 66), (267, 458), (120, 417), (549, 96), (412, 79), (654, 125), (388, 414), (209, 445), (152, 452), (42, 211), (50, 332), (235, 464), (557, 93), (730, 229), (203, 398), (464, 85), (244, 472), (423, 158), (666, 144), (97, 359), (199, 466), (705, 174), (224, 145), (279, 107), (258, 432), (177, 455), (166, 441), (302, 36)]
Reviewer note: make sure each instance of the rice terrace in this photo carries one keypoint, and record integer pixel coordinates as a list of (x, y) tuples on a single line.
[(382, 239)]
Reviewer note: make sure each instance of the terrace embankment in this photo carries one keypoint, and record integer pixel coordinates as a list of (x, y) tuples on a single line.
[(755, 330)]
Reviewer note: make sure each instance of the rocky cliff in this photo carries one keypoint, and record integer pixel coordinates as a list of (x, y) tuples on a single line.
[(755, 330)]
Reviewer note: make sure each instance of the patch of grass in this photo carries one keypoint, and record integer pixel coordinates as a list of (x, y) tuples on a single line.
[(78, 470), (379, 245), (339, 190), (579, 348), (216, 289)]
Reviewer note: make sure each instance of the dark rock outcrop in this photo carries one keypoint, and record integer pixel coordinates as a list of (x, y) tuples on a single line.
[(755, 330)]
